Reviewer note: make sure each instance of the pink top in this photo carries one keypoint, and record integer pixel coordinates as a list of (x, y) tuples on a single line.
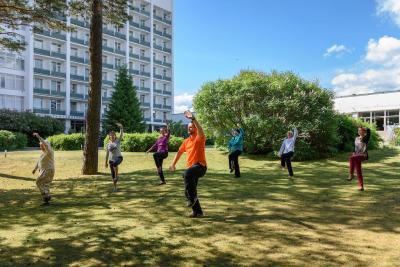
[(162, 143)]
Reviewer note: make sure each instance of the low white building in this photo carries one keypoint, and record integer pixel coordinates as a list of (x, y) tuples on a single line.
[(381, 109)]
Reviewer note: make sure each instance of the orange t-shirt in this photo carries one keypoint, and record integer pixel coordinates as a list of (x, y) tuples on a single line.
[(194, 146)]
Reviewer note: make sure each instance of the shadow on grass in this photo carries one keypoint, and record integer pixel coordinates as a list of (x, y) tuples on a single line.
[(261, 206)]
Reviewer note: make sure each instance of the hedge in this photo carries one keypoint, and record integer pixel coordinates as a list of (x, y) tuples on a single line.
[(141, 142), (10, 140), (28, 122), (67, 141)]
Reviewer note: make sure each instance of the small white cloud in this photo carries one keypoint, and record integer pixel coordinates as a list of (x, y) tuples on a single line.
[(390, 8), (182, 102), (384, 51), (337, 50)]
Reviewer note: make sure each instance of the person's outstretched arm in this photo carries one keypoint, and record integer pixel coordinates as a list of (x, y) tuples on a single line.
[(121, 131), (295, 133), (282, 148), (189, 115), (367, 136), (151, 148), (178, 155), (46, 144), (107, 154)]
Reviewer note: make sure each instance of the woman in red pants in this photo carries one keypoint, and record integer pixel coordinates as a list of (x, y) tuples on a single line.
[(360, 154)]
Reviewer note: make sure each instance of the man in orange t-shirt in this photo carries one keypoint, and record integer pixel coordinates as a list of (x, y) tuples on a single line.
[(196, 163)]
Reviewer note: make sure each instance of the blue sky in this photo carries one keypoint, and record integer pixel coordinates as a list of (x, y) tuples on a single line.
[(216, 39)]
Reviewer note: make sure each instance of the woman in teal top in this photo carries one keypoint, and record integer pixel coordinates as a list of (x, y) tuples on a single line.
[(235, 147)]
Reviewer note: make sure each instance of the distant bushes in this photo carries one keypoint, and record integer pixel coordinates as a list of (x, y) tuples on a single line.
[(27, 123), (397, 137), (10, 140), (141, 142), (67, 141)]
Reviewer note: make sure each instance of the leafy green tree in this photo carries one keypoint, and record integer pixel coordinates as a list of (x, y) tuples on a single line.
[(124, 106), (267, 106), (178, 129)]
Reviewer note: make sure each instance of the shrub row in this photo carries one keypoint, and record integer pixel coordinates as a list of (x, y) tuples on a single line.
[(141, 142), (10, 140), (67, 141), (28, 122), (132, 142)]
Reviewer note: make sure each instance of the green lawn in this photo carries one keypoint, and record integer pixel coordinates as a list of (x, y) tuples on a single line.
[(261, 219)]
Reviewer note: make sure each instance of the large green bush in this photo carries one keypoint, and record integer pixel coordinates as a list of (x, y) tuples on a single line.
[(28, 122), (141, 142), (67, 141), (348, 130), (267, 106), (10, 140)]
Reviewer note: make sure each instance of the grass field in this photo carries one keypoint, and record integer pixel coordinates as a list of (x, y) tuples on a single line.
[(261, 219)]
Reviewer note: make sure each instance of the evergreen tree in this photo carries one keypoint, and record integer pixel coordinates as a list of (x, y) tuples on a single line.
[(124, 106)]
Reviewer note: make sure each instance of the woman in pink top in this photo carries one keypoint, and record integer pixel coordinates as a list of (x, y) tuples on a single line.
[(161, 145)]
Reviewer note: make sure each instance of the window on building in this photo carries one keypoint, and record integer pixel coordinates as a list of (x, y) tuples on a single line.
[(104, 42), (164, 30), (142, 67), (165, 116), (56, 47), (154, 26), (74, 52), (74, 106), (86, 72), (74, 70), (38, 83), (117, 62), (164, 72), (142, 83), (165, 101), (130, 33), (38, 44), (104, 59), (165, 59), (117, 46), (74, 34), (2, 81), (142, 37), (165, 44), (104, 74), (38, 63), (74, 88), (142, 52), (164, 86), (142, 98), (130, 49), (143, 7), (56, 86), (56, 66)]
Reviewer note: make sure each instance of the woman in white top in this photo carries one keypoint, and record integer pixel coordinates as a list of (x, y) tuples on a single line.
[(359, 155), (113, 154), (287, 150)]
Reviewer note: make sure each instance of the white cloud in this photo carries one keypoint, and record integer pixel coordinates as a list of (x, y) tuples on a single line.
[(182, 102), (390, 8), (337, 50), (382, 75), (384, 51)]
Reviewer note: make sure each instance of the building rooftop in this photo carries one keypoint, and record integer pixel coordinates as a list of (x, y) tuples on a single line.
[(374, 93)]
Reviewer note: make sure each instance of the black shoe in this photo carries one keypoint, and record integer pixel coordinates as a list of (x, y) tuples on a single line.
[(196, 215), (361, 189), (47, 199), (162, 183), (190, 203), (231, 170)]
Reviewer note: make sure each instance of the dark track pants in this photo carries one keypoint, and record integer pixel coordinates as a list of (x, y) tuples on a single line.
[(113, 164), (191, 177), (158, 159), (234, 162), (286, 160)]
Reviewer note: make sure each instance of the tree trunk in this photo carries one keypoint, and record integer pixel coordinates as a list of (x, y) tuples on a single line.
[(90, 161)]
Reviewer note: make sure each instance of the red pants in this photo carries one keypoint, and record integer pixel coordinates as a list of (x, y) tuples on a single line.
[(355, 162)]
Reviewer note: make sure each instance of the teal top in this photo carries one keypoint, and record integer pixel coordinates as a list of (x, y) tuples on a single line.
[(236, 142)]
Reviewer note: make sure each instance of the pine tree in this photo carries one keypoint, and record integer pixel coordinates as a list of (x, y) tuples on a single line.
[(124, 106)]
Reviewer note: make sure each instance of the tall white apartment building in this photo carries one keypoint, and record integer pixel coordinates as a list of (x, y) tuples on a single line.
[(51, 76)]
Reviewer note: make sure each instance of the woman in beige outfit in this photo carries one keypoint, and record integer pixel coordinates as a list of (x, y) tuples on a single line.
[(45, 164)]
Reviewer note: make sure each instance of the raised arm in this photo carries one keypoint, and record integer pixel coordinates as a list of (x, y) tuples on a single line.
[(189, 115), (44, 142), (367, 136), (121, 131), (295, 133)]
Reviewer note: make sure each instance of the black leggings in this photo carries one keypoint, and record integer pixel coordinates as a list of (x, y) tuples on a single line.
[(234, 162), (191, 178), (286, 159), (158, 159), (115, 163)]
